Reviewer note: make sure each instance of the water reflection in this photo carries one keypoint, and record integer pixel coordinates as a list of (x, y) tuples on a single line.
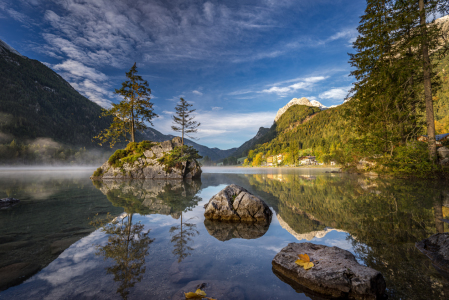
[(152, 196), (159, 197), (127, 245), (224, 231), (384, 219), (181, 238)]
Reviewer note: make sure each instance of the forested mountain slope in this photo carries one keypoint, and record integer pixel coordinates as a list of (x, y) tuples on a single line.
[(36, 102)]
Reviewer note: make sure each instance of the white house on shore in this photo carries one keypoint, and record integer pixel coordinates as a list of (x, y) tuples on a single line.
[(308, 160)]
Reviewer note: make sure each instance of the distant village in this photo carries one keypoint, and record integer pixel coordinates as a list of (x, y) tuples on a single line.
[(277, 160), (310, 160)]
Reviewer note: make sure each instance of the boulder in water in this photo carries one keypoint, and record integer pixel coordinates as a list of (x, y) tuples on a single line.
[(335, 273), (436, 248), (236, 204)]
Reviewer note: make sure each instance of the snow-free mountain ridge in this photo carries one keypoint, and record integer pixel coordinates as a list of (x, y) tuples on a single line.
[(296, 101)]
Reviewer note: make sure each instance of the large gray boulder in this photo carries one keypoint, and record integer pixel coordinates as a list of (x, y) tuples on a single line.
[(336, 272), (148, 167), (436, 248), (236, 204)]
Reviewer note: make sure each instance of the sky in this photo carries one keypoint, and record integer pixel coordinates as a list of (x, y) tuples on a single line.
[(237, 61)]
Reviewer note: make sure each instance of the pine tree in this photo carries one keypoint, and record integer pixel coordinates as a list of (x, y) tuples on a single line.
[(132, 113), (184, 120)]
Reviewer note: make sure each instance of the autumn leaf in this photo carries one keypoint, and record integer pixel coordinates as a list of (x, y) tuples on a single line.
[(304, 261), (199, 294)]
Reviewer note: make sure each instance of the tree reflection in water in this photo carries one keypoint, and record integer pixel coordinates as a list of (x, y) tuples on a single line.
[(384, 219), (127, 245), (181, 236)]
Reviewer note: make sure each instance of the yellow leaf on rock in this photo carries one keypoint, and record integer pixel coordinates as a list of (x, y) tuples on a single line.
[(304, 261), (200, 292), (304, 257), (308, 265), (300, 262), (192, 295)]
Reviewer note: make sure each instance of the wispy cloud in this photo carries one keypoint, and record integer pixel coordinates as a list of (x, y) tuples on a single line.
[(335, 93), (196, 92), (217, 108), (176, 98), (217, 123), (301, 84)]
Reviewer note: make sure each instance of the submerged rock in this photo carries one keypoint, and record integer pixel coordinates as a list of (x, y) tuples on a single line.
[(436, 248), (148, 166), (224, 231), (216, 289), (8, 202), (16, 273), (336, 272), (234, 203)]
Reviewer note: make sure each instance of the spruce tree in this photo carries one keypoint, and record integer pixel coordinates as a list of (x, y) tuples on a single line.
[(184, 120), (132, 113)]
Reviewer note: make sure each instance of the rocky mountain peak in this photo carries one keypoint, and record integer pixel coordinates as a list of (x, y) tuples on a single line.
[(4, 45), (296, 101)]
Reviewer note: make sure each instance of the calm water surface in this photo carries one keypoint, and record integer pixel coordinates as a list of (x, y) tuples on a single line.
[(70, 238)]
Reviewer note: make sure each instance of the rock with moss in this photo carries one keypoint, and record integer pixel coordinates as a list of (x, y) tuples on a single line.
[(149, 160)]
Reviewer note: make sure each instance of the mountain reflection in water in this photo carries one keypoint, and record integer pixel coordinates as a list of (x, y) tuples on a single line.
[(162, 242)]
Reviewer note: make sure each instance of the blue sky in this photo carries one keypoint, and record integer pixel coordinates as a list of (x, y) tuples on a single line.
[(237, 61)]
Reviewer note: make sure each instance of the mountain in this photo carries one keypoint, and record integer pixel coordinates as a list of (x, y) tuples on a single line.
[(213, 153), (303, 125), (296, 101), (35, 102), (257, 139)]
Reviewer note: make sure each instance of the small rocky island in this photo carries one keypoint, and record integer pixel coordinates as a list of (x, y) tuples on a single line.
[(150, 160)]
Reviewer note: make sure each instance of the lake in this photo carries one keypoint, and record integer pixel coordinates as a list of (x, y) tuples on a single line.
[(71, 238)]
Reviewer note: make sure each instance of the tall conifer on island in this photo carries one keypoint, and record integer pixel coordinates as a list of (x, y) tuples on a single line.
[(131, 113), (184, 120)]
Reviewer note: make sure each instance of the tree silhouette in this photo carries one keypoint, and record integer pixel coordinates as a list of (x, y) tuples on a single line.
[(183, 120), (131, 113), (127, 245)]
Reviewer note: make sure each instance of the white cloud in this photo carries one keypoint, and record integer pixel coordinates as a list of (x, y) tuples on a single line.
[(77, 69), (217, 108), (196, 92), (217, 126), (17, 15), (176, 98), (303, 84), (335, 93)]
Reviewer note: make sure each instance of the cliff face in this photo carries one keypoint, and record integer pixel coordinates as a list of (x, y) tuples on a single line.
[(146, 164)]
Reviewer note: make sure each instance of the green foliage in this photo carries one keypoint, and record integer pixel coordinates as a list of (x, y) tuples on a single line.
[(98, 172), (411, 160), (131, 114), (130, 154), (177, 156), (183, 120)]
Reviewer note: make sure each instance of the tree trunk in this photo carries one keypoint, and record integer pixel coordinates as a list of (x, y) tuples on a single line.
[(182, 139), (427, 84), (132, 124)]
